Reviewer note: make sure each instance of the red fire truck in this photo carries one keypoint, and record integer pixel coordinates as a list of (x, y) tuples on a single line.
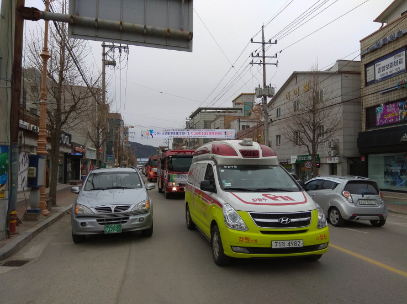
[(151, 169), (172, 171)]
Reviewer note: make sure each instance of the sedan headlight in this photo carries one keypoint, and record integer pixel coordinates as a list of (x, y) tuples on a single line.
[(233, 219), (321, 218), (142, 206), (81, 209)]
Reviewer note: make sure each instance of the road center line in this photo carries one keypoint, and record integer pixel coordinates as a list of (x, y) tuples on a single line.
[(402, 273)]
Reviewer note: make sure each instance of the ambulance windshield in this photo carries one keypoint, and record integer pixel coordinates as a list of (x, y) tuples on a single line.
[(256, 178)]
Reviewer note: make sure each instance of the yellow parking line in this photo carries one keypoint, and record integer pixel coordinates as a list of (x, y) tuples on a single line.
[(404, 274)]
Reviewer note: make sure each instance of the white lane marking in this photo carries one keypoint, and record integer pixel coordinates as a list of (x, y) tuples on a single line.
[(400, 224), (397, 215), (357, 230)]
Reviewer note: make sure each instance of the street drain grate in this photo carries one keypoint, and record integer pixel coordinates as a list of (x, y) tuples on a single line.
[(15, 263)]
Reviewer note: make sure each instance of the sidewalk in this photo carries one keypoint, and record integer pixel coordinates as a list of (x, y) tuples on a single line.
[(27, 230)]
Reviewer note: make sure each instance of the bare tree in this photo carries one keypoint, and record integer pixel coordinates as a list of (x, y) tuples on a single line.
[(68, 98), (313, 118), (95, 126)]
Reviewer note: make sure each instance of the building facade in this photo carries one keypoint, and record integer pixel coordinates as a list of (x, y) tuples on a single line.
[(382, 141), (338, 95)]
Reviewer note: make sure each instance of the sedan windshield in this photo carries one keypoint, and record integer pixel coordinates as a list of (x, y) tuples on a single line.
[(112, 180), (256, 178)]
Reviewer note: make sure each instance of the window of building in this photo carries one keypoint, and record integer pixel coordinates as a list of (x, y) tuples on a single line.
[(278, 140), (244, 127), (297, 138), (207, 124), (296, 105), (278, 112), (320, 131), (321, 95)]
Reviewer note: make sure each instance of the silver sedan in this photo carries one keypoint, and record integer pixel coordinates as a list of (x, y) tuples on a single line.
[(112, 201)]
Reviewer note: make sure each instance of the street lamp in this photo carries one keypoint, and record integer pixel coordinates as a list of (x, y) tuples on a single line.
[(118, 136), (42, 134)]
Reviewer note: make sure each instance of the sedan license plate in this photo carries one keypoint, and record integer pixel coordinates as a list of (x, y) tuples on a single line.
[(287, 244), (366, 202), (113, 228)]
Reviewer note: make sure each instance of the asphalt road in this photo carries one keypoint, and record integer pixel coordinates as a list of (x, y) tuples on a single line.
[(364, 264)]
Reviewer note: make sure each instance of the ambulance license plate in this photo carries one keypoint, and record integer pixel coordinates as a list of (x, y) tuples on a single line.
[(287, 244), (113, 228)]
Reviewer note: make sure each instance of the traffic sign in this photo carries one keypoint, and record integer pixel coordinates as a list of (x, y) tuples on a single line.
[(308, 165)]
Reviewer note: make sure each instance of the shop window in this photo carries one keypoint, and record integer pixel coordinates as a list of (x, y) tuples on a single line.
[(388, 170)]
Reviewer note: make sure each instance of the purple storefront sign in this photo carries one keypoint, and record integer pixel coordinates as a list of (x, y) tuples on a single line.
[(391, 113)]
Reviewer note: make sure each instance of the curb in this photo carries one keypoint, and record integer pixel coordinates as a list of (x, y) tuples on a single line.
[(24, 238)]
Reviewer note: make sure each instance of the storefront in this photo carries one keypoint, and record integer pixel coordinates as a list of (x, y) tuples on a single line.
[(303, 166), (72, 164), (385, 155), (65, 146)]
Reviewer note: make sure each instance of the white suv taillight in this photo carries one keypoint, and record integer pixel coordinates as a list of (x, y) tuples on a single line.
[(347, 195)]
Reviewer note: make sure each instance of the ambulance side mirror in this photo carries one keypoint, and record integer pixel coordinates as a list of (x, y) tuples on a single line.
[(209, 186)]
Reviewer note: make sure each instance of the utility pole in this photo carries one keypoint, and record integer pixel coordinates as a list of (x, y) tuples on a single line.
[(266, 91), (112, 62)]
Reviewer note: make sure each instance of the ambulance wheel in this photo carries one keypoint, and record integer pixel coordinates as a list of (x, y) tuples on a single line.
[(335, 217), (167, 194), (160, 190), (314, 257), (190, 223), (218, 254)]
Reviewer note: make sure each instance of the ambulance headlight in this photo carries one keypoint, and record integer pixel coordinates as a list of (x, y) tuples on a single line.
[(173, 184), (321, 217), (233, 219)]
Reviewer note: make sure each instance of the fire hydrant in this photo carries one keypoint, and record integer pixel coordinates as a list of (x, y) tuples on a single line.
[(12, 221)]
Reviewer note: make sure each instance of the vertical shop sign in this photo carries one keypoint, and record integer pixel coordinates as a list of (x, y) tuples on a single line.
[(4, 165)]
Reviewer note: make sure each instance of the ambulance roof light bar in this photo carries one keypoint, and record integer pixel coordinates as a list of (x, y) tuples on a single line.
[(247, 142), (223, 149)]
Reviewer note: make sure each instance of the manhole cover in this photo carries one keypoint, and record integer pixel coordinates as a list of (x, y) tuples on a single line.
[(15, 263)]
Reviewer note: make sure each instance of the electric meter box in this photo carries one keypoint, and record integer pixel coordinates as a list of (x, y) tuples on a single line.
[(36, 167)]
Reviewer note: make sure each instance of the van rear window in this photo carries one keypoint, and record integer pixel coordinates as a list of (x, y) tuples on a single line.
[(362, 187)]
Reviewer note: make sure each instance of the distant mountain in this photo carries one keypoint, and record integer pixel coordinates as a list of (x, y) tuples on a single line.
[(143, 151)]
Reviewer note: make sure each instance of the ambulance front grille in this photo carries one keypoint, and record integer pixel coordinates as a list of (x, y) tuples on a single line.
[(281, 220)]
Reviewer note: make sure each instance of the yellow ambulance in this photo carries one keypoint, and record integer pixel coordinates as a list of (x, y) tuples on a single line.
[(248, 206)]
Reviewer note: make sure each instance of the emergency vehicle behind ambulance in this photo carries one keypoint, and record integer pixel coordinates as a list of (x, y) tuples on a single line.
[(151, 168), (249, 206), (172, 172)]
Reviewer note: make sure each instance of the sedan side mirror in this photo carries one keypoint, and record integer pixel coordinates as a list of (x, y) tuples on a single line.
[(209, 186), (75, 190), (150, 186)]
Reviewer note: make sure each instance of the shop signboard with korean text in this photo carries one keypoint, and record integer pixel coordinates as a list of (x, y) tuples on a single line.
[(391, 113), (390, 65)]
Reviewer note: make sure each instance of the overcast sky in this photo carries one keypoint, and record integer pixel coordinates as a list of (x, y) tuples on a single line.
[(160, 88)]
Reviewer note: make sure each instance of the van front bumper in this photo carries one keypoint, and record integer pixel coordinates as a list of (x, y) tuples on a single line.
[(239, 244)]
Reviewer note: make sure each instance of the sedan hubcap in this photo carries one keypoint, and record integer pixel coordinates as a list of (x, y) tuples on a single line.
[(334, 217)]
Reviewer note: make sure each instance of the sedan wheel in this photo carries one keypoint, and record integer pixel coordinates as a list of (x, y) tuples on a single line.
[(378, 223), (335, 217), (76, 238), (147, 232), (219, 256)]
